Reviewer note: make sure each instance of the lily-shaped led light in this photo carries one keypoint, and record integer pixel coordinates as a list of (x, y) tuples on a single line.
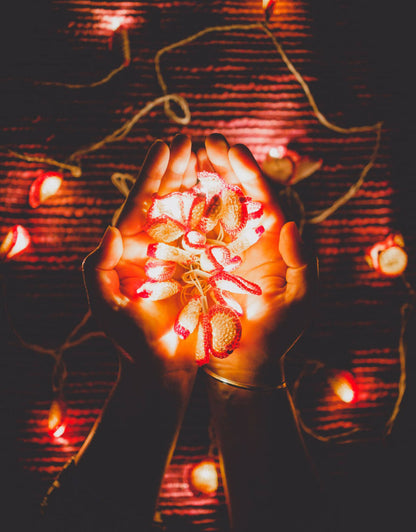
[(344, 386), (45, 186), (57, 418), (288, 167), (15, 242), (199, 236), (388, 257)]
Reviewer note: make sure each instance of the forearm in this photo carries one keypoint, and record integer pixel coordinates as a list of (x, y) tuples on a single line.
[(119, 474), (266, 474)]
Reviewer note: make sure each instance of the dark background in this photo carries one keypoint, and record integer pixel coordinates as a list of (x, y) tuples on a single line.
[(357, 57)]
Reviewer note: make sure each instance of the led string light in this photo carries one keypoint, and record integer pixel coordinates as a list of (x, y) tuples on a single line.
[(123, 181)]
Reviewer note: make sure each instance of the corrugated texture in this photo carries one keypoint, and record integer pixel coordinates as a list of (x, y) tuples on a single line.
[(235, 83)]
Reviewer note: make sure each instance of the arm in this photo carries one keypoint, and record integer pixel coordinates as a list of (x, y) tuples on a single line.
[(118, 473), (262, 458)]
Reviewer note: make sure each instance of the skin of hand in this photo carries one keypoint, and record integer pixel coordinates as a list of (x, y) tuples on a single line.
[(272, 322), (116, 267)]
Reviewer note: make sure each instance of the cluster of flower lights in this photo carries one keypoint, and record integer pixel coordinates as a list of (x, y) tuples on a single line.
[(200, 235)]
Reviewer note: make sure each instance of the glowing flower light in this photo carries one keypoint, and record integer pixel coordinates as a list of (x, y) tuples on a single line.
[(388, 257), (45, 186), (344, 386), (57, 418), (15, 242), (287, 167), (268, 6), (203, 478), (199, 236)]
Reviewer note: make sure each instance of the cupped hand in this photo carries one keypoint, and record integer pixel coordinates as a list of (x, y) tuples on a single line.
[(115, 269), (273, 321)]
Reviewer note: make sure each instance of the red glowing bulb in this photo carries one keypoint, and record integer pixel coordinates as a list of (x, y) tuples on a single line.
[(45, 186), (388, 257), (57, 418), (15, 242), (344, 386), (268, 6), (203, 478)]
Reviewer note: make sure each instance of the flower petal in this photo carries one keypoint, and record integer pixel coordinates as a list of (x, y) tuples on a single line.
[(194, 241), (159, 270), (233, 283), (223, 298), (203, 341), (164, 229), (188, 318), (225, 331), (169, 253), (234, 211), (247, 238), (218, 258), (158, 290)]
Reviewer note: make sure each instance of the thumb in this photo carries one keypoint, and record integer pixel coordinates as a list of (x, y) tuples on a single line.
[(100, 278)]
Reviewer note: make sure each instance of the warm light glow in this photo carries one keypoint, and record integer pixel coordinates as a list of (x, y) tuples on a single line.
[(268, 6), (344, 386), (277, 152), (388, 257), (45, 186), (198, 236), (204, 478), (57, 418), (14, 243)]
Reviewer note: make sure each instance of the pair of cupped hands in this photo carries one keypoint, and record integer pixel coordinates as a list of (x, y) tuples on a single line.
[(143, 329)]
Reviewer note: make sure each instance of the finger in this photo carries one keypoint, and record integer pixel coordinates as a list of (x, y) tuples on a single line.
[(180, 153), (217, 151), (133, 213), (301, 274), (189, 178), (204, 164), (100, 278), (248, 172)]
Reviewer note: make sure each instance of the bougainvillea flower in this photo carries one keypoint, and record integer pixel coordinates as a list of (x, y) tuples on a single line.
[(388, 257), (200, 237), (45, 186), (15, 242), (288, 167)]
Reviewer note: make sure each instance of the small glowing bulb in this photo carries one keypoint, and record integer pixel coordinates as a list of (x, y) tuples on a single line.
[(115, 22), (277, 152), (15, 242), (57, 418), (388, 257), (344, 386), (204, 478), (45, 186)]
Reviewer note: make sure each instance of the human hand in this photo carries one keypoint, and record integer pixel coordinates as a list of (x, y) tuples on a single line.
[(115, 269), (273, 321)]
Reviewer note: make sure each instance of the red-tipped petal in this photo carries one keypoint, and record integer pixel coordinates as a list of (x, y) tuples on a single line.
[(159, 270), (158, 290), (203, 342), (169, 253), (225, 331), (226, 300), (188, 318), (234, 284), (234, 212), (15, 242), (164, 229)]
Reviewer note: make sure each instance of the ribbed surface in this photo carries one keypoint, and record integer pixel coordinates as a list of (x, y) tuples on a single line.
[(235, 83)]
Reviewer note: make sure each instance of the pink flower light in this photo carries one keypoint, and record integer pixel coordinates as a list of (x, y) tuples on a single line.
[(15, 242), (200, 236), (388, 257), (45, 186)]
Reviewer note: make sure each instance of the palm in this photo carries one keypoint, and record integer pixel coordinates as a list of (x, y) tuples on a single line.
[(269, 324)]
